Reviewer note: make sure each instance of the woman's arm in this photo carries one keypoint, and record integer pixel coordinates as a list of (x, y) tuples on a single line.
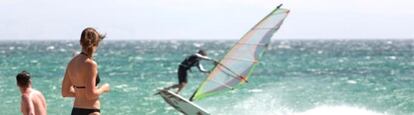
[(92, 92), (67, 89)]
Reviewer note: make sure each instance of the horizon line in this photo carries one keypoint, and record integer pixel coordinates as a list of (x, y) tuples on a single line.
[(212, 39)]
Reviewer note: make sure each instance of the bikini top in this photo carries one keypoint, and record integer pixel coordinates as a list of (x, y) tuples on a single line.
[(97, 76)]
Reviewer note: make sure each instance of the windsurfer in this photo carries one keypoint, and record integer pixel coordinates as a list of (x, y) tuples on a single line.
[(190, 61)]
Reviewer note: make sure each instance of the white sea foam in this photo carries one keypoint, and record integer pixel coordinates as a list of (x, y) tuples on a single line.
[(266, 106), (62, 50), (160, 59), (121, 86), (340, 60), (351, 82), (284, 46), (389, 42), (34, 61), (69, 44), (255, 90), (138, 58), (320, 52), (392, 57), (50, 48), (11, 48), (338, 110), (270, 103), (198, 44)]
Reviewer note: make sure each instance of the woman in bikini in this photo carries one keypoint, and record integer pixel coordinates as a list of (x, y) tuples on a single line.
[(81, 76)]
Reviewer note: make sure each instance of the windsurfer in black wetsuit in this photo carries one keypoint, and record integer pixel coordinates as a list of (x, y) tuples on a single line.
[(190, 61)]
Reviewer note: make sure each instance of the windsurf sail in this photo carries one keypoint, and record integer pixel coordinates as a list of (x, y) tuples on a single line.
[(237, 65)]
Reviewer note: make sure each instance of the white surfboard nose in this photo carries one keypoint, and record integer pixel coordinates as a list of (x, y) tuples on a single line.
[(181, 104)]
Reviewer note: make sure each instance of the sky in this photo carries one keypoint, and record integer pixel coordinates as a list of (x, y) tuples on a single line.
[(204, 19)]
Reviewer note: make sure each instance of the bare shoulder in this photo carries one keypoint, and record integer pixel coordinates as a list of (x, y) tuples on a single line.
[(90, 63), (37, 97), (72, 60), (37, 92), (25, 97), (70, 64)]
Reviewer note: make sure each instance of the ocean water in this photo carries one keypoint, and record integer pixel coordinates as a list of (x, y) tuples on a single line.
[(295, 77)]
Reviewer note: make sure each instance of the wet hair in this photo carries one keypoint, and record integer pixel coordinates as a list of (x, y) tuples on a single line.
[(202, 52), (23, 79), (90, 38)]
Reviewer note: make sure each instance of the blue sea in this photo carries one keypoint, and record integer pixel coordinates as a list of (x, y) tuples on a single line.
[(294, 77)]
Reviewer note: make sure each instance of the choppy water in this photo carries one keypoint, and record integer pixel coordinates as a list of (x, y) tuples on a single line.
[(296, 77)]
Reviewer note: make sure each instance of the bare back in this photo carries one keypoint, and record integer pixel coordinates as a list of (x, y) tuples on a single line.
[(79, 76), (35, 101)]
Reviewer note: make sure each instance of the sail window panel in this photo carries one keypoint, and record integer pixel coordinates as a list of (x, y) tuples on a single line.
[(242, 51), (229, 75)]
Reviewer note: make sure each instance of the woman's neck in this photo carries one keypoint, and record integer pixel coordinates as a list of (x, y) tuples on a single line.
[(84, 52)]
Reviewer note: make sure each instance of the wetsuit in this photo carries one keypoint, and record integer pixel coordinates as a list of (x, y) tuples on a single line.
[(190, 61)]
